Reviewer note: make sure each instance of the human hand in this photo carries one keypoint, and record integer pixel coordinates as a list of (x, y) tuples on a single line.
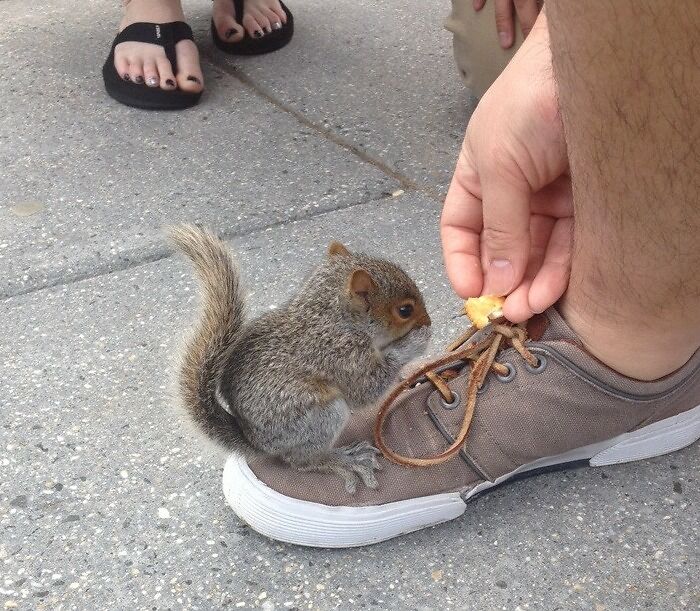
[(526, 10), (507, 222)]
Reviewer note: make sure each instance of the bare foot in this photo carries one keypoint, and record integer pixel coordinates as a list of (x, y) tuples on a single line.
[(260, 17), (146, 63)]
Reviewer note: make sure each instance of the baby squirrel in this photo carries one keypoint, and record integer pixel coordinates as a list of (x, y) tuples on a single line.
[(283, 384)]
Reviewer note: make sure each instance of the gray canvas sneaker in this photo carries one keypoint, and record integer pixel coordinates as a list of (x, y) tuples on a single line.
[(561, 409)]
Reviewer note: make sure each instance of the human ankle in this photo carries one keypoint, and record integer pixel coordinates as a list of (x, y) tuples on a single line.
[(152, 10), (633, 344)]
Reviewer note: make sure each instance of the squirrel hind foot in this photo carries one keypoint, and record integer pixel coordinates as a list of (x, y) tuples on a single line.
[(350, 463)]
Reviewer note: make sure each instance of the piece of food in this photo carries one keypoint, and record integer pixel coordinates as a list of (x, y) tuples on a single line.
[(483, 310)]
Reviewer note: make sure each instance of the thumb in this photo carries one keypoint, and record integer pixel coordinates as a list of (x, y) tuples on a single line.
[(505, 238)]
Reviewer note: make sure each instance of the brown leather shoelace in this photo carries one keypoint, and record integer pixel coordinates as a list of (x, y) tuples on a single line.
[(482, 358)]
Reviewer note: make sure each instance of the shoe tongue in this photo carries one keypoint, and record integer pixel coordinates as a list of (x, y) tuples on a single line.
[(550, 326)]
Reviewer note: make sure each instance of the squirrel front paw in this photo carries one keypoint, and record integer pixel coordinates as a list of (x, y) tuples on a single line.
[(349, 462)]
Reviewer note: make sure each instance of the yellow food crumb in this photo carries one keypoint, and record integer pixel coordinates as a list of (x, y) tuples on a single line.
[(482, 310)]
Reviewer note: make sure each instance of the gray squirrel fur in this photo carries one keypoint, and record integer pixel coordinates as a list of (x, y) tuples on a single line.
[(283, 384)]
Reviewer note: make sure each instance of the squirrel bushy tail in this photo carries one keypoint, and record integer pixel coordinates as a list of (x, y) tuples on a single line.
[(220, 322)]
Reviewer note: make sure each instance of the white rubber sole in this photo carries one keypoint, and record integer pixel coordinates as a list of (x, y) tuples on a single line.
[(304, 523)]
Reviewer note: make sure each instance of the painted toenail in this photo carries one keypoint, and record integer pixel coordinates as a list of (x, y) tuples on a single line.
[(258, 33), (230, 33), (126, 77), (170, 82), (152, 81), (194, 79), (138, 79), (277, 25), (268, 29)]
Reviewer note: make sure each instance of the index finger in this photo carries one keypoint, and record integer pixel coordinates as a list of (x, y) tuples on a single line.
[(460, 229)]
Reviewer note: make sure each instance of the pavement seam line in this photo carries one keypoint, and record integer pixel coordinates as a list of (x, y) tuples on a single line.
[(327, 133), (160, 253)]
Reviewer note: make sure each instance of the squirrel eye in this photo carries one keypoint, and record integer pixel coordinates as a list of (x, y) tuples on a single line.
[(405, 311)]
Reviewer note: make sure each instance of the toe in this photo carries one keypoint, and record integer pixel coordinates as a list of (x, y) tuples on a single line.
[(226, 25), (136, 69), (189, 74), (274, 20), (366, 475), (150, 73), (277, 9), (167, 78), (252, 26), (350, 483), (121, 65), (263, 20)]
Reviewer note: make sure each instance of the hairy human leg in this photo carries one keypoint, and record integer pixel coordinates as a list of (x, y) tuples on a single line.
[(628, 77)]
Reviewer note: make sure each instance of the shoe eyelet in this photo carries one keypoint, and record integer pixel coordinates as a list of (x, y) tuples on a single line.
[(509, 376), (453, 404), (541, 364)]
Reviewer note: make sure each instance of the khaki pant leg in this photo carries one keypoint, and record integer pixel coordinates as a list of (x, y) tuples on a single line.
[(479, 57)]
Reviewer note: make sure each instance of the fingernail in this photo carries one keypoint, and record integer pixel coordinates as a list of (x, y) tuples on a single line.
[(138, 79), (258, 33), (499, 277), (194, 79), (170, 82), (277, 25), (504, 37)]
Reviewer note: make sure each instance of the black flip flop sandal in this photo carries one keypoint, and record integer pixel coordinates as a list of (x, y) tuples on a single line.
[(167, 35), (255, 46)]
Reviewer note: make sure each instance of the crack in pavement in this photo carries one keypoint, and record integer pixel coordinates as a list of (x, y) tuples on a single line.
[(156, 253), (327, 133), (160, 252)]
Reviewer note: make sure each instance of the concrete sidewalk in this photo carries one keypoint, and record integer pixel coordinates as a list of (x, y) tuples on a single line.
[(349, 133)]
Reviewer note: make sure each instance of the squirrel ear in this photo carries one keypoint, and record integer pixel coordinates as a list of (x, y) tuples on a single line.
[(361, 284), (336, 248)]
